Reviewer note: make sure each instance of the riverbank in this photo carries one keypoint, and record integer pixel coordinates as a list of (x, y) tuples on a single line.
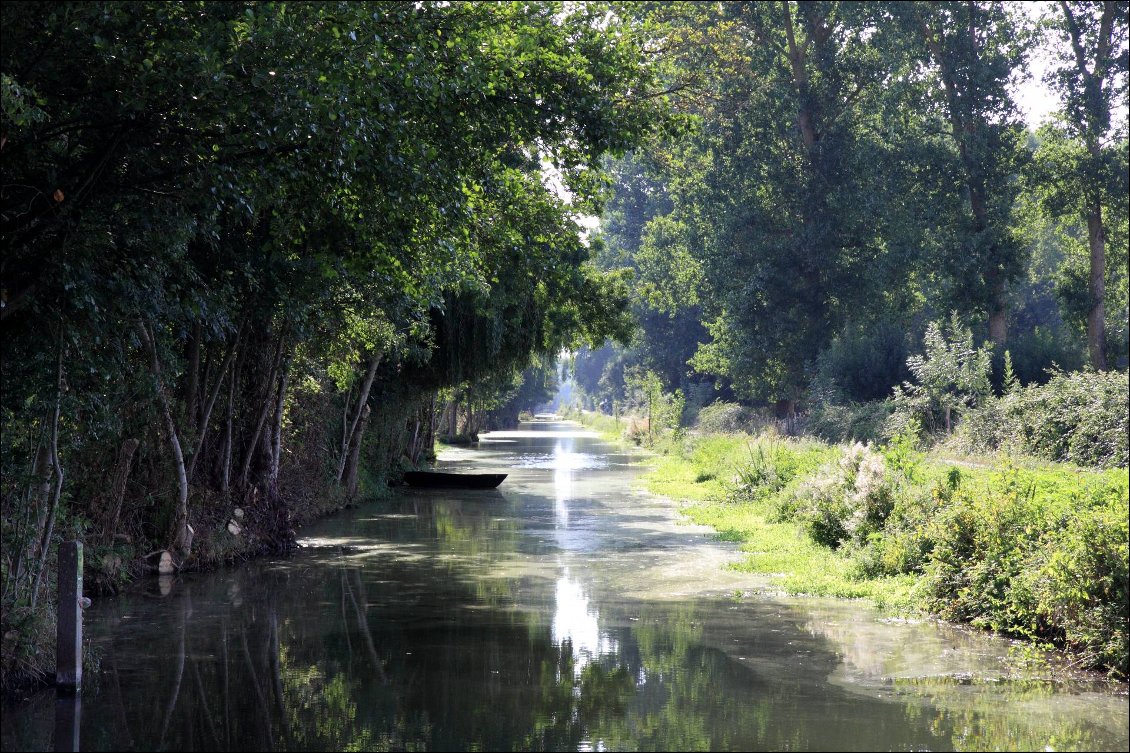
[(1030, 549)]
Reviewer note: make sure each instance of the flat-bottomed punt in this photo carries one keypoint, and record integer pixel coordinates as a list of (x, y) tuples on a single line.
[(437, 480)]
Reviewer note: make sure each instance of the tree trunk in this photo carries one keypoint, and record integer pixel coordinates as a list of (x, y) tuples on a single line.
[(355, 429), (276, 434), (998, 314), (963, 130), (39, 499), (180, 533), (225, 473), (118, 488), (202, 431), (469, 429), (414, 445), (202, 427), (245, 472), (192, 385), (351, 468), (1096, 317), (49, 528)]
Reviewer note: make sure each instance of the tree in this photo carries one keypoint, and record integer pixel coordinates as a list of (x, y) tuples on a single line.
[(1092, 79), (974, 50), (787, 218)]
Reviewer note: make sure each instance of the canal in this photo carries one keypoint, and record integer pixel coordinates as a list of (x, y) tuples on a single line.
[(566, 610)]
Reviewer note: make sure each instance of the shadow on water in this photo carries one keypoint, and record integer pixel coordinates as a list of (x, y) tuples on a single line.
[(513, 620)]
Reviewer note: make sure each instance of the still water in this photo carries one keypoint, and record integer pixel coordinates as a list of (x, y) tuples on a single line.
[(566, 610)]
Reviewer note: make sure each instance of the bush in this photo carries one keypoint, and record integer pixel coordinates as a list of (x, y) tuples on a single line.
[(849, 499), (951, 377), (1037, 554), (723, 418), (1044, 348), (865, 363), (855, 422), (979, 542), (1081, 589), (1079, 418)]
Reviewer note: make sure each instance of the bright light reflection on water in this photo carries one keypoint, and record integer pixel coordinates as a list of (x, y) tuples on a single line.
[(576, 623)]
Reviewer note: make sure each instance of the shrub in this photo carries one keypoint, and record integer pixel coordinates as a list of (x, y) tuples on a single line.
[(854, 422), (849, 499), (1080, 588), (950, 377), (864, 363), (1043, 348), (723, 418), (1079, 418), (980, 539), (1037, 554)]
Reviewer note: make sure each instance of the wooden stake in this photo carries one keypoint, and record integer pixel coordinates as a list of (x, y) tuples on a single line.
[(68, 636)]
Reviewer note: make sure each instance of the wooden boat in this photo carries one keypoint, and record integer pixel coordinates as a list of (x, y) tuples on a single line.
[(437, 480)]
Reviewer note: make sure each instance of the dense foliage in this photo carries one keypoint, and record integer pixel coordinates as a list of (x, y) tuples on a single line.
[(850, 172), (252, 251), (1077, 418)]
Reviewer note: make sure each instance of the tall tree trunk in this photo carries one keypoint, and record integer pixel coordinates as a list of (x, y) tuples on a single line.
[(180, 533), (38, 499), (998, 313), (229, 434), (276, 435), (49, 527), (192, 384), (1096, 317), (202, 431), (430, 430), (351, 468), (414, 444), (245, 472), (469, 429), (354, 434), (346, 429), (963, 129), (1095, 120), (797, 52)]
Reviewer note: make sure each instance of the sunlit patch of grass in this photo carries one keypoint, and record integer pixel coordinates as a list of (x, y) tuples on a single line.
[(792, 560), (673, 476), (702, 472)]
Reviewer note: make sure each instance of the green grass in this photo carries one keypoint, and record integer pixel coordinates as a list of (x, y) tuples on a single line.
[(700, 472)]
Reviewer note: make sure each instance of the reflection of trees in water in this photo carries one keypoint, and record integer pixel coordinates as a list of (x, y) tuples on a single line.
[(380, 655), (228, 685), (998, 713)]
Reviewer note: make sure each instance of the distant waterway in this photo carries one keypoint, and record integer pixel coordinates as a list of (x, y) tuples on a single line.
[(567, 610)]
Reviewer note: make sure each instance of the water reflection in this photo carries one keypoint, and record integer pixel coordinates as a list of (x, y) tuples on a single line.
[(576, 625), (462, 621), (562, 481)]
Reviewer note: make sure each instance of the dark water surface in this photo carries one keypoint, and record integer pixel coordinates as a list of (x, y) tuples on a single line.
[(564, 611)]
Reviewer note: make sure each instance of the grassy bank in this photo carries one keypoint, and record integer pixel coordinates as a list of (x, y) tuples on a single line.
[(1031, 549)]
